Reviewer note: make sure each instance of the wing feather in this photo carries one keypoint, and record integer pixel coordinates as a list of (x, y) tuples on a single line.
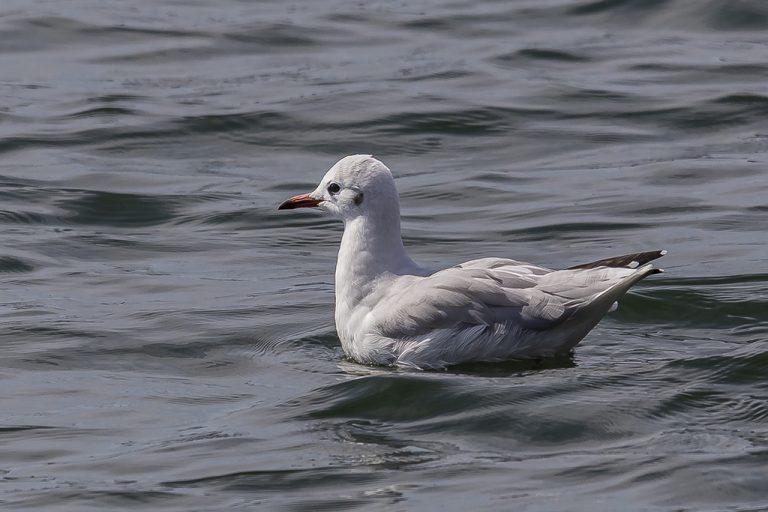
[(466, 297)]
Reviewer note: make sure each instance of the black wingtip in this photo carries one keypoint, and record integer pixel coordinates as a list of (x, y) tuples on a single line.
[(627, 261)]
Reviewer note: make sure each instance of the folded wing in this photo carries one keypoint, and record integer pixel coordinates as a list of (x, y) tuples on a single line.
[(490, 292)]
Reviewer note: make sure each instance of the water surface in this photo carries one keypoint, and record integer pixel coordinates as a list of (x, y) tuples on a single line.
[(167, 335)]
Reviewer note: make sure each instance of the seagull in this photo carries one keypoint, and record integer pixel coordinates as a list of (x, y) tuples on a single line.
[(391, 311)]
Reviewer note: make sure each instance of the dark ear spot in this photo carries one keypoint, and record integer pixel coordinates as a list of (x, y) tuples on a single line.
[(359, 198)]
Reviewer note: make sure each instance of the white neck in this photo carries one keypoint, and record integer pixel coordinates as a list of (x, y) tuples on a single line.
[(369, 249)]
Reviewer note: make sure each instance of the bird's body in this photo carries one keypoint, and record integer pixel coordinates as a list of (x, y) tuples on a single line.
[(389, 310)]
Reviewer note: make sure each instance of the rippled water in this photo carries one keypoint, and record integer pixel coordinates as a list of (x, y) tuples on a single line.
[(167, 336)]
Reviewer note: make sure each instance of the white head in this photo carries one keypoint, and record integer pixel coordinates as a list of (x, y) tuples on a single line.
[(356, 185)]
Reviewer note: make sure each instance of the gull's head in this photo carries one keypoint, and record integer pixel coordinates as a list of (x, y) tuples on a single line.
[(356, 185)]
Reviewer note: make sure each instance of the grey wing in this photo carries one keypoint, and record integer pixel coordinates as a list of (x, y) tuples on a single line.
[(462, 314), (541, 309), (463, 297), (492, 292), (506, 265)]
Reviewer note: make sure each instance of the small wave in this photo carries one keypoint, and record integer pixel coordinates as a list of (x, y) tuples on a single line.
[(12, 264), (745, 366), (115, 209), (545, 55)]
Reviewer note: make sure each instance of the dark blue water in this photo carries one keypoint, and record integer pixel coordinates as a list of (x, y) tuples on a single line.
[(167, 336)]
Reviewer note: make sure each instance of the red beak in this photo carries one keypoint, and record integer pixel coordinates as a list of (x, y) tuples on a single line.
[(300, 201)]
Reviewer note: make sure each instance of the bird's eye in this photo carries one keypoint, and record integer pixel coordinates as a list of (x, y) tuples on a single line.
[(334, 188)]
